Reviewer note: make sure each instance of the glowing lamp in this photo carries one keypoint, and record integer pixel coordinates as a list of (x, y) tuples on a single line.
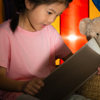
[(72, 37)]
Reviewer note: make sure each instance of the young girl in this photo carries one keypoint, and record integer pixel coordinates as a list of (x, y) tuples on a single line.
[(29, 46)]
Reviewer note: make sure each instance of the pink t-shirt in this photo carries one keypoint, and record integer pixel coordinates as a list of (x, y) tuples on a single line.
[(28, 55)]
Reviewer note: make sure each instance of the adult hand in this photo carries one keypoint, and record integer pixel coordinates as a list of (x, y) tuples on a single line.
[(33, 87)]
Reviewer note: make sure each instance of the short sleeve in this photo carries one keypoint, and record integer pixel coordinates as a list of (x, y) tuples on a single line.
[(4, 48), (61, 49)]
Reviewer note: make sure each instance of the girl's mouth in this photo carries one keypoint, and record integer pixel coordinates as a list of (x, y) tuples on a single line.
[(43, 25)]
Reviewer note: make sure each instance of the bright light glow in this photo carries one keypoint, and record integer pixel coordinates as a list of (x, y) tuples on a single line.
[(72, 37)]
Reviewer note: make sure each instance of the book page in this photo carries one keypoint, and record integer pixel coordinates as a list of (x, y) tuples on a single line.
[(94, 45)]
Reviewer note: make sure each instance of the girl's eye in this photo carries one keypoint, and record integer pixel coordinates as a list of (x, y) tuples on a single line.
[(49, 13)]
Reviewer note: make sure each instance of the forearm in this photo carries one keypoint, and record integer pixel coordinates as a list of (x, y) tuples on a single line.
[(10, 85), (30, 87), (64, 59)]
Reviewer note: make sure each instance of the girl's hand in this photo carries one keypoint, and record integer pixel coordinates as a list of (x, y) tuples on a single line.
[(98, 71), (33, 87)]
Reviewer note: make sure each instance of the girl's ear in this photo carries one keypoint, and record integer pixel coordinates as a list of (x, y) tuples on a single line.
[(28, 4)]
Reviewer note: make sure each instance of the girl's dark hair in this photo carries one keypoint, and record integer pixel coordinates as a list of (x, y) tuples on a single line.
[(20, 7)]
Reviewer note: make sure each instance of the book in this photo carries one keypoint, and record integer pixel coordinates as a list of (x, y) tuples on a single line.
[(72, 74)]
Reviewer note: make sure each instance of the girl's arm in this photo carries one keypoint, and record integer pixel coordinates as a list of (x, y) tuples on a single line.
[(64, 59), (7, 84), (72, 54), (31, 87)]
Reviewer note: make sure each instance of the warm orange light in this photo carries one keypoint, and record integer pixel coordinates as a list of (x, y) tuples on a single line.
[(72, 37)]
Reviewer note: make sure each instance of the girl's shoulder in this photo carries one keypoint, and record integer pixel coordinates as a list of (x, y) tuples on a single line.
[(5, 25), (5, 28)]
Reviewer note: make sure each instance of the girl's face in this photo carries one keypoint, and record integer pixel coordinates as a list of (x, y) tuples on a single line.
[(43, 15)]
